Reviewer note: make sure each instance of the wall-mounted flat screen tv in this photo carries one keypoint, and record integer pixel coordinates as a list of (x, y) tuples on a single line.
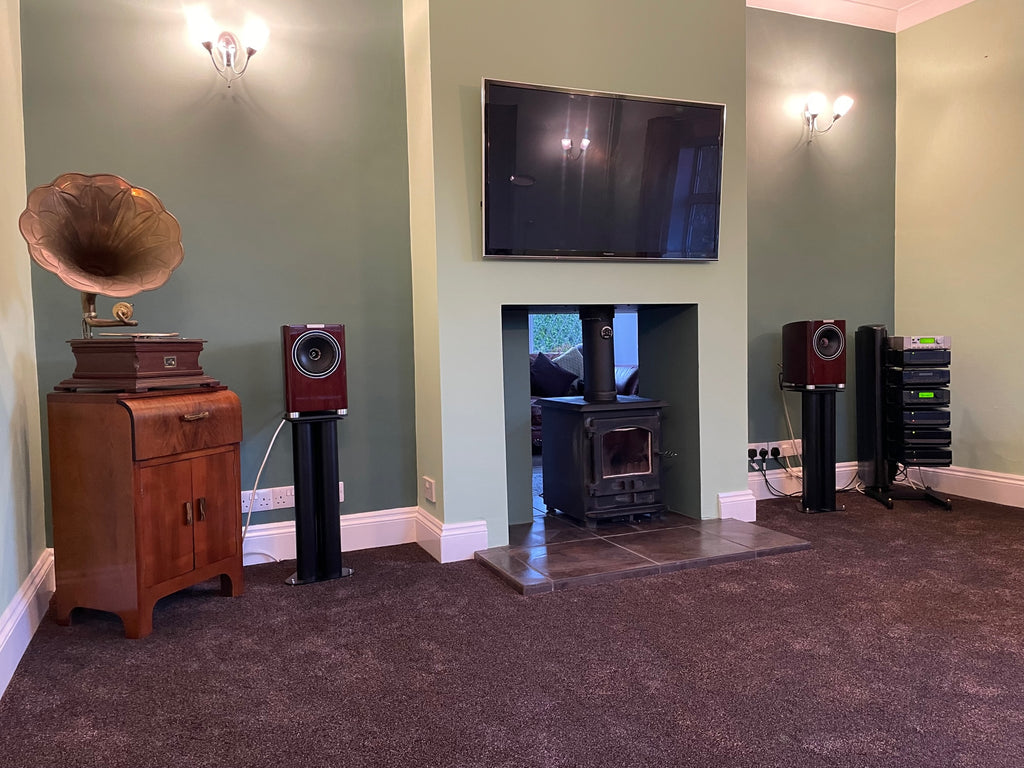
[(582, 175)]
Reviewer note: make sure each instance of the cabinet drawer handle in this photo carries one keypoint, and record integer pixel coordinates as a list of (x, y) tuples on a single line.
[(196, 416), (202, 507), (188, 513)]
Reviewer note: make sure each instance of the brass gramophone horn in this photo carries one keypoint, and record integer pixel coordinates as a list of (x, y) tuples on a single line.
[(102, 236)]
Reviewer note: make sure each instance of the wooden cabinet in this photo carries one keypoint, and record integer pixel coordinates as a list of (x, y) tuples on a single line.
[(145, 492)]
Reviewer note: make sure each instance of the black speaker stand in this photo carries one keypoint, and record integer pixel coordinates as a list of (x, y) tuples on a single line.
[(886, 496), (819, 450), (317, 510)]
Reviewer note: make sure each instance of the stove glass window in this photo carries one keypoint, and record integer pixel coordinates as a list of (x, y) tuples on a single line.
[(626, 451)]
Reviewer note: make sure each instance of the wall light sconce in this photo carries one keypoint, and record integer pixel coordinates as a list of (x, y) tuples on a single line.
[(567, 147), (813, 108), (230, 53)]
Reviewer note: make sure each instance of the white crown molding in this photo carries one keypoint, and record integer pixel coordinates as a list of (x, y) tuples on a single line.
[(884, 15)]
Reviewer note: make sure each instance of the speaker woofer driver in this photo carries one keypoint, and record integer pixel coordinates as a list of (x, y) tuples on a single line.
[(828, 342), (316, 354)]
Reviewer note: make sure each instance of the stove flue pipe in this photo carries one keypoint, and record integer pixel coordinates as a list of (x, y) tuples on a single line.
[(598, 354)]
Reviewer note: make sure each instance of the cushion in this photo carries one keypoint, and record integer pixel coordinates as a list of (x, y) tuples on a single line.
[(572, 361), (548, 379)]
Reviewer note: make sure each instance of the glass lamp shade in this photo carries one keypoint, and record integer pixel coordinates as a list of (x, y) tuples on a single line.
[(842, 106), (816, 103)]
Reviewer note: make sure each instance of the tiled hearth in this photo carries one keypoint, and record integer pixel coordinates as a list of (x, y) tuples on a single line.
[(555, 552)]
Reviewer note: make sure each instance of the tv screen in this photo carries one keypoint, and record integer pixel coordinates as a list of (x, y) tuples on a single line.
[(583, 175)]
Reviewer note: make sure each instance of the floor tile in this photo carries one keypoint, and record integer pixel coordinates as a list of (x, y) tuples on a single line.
[(556, 552), (675, 544), (574, 559), (593, 579), (747, 534), (522, 577), (545, 530), (666, 520)]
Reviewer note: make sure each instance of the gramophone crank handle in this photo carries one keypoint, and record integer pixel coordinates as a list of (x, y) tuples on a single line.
[(122, 314)]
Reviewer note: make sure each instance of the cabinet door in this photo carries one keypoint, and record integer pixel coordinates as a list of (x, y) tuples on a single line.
[(164, 521), (215, 488)]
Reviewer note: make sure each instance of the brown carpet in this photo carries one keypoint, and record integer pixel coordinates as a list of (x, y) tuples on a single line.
[(898, 640)]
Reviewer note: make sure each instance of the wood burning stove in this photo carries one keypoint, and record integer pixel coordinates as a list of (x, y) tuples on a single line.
[(601, 452), (602, 460)]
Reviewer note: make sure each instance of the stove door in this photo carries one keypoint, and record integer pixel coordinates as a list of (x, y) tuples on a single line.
[(625, 454)]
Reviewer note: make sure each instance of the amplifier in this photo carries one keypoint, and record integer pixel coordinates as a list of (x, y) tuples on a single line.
[(917, 377), (936, 417), (902, 343), (922, 436), (903, 358), (936, 457), (918, 398)]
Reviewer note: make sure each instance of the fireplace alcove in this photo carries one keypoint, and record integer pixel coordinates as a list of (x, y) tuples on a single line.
[(667, 345)]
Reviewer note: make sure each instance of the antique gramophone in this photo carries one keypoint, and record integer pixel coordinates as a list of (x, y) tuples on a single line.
[(103, 236)]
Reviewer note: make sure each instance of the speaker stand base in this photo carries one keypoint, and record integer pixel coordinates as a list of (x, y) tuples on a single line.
[(295, 581), (808, 511), (886, 496)]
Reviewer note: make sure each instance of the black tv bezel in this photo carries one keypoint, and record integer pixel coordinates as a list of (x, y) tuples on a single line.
[(592, 256)]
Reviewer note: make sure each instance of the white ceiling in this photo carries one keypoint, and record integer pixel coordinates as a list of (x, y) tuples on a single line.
[(887, 15)]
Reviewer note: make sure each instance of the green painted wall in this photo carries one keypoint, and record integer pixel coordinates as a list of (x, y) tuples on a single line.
[(22, 533), (292, 193), (960, 182), (821, 215), (693, 50)]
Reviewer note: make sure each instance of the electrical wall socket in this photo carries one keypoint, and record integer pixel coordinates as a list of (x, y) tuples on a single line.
[(787, 447), (282, 497), (429, 489), (262, 501)]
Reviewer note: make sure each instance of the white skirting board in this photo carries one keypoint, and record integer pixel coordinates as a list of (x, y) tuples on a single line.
[(445, 542), (22, 616), (994, 487), (785, 483), (739, 505)]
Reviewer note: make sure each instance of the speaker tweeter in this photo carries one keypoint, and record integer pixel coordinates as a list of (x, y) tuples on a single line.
[(314, 369)]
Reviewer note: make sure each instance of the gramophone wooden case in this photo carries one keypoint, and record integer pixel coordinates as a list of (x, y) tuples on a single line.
[(132, 364)]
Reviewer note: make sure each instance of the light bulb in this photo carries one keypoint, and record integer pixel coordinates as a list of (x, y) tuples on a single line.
[(566, 144), (255, 33), (842, 106), (201, 26), (816, 103), (584, 143)]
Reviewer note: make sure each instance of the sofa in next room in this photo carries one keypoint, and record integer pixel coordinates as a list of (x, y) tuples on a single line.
[(562, 376)]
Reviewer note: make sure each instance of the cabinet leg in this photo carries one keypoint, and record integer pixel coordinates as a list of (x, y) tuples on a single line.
[(231, 584), (61, 612), (138, 624)]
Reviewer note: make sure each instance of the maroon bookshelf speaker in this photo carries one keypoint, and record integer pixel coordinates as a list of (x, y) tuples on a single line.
[(814, 354), (314, 369)]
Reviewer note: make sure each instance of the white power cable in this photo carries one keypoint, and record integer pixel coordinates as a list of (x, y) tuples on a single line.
[(792, 437), (255, 485)]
